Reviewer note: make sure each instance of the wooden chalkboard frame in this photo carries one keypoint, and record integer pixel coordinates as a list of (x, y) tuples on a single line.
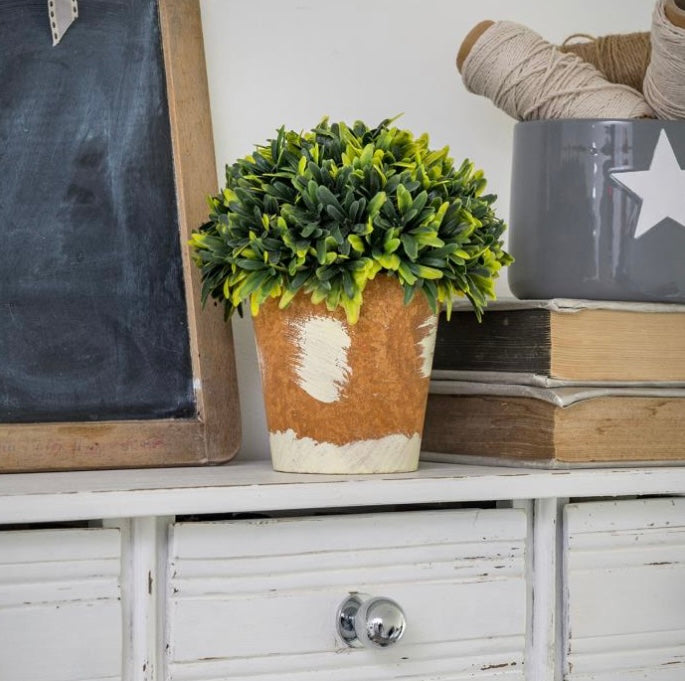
[(213, 434)]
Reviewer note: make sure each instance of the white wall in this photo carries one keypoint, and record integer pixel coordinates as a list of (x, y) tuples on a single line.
[(274, 62)]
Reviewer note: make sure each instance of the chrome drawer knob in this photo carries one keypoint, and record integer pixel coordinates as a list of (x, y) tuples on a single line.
[(365, 622)]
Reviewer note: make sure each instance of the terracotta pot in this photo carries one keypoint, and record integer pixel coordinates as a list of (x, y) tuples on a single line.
[(346, 398)]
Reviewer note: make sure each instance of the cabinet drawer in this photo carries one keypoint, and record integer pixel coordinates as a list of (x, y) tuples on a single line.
[(624, 570), (258, 598), (60, 609)]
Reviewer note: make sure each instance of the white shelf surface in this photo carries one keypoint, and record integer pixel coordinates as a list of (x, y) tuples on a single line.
[(254, 486)]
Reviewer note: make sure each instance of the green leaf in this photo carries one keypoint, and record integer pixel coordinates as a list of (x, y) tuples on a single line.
[(404, 200), (391, 245), (336, 234), (430, 238), (344, 202), (309, 229), (299, 280), (408, 294), (424, 272), (411, 246), (321, 251), (431, 293), (246, 264), (406, 274), (336, 213), (367, 155), (348, 284), (376, 204), (389, 261), (315, 171), (326, 273), (251, 283), (302, 165), (286, 298), (327, 197), (356, 242), (357, 209)]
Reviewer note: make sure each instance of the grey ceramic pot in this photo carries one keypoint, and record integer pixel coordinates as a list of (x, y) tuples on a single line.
[(598, 210)]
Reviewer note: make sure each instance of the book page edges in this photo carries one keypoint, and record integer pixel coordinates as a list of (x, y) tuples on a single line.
[(476, 460), (570, 305), (557, 396), (540, 380)]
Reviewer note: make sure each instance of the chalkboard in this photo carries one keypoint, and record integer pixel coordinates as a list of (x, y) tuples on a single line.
[(99, 189)]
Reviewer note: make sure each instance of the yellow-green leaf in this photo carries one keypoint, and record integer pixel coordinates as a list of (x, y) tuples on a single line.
[(356, 242), (404, 200), (428, 272), (286, 298), (367, 154), (376, 204), (390, 261), (391, 245)]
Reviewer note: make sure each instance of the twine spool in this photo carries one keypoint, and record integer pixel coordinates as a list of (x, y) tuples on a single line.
[(531, 79), (621, 58), (664, 84)]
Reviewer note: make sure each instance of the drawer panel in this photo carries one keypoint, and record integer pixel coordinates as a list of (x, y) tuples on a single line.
[(257, 599), (624, 567), (60, 609)]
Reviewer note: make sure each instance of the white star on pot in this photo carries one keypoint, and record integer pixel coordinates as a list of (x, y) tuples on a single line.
[(661, 188)]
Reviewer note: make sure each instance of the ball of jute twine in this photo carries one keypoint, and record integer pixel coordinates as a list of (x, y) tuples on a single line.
[(531, 79), (664, 83), (621, 58)]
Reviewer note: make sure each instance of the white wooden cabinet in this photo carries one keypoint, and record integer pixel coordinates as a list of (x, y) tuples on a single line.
[(258, 598), (236, 572), (60, 605), (624, 584)]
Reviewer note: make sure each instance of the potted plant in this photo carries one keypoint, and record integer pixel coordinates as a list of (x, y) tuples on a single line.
[(346, 240)]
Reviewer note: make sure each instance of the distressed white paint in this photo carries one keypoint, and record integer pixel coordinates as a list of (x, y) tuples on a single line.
[(625, 590), (544, 660), (251, 486), (394, 453), (143, 587), (427, 345), (634, 549), (321, 362), (60, 613), (260, 359), (257, 598)]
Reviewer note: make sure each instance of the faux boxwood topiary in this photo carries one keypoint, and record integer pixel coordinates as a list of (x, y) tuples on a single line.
[(325, 211)]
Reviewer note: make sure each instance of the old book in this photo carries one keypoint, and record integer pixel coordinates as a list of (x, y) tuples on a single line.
[(549, 427), (560, 341)]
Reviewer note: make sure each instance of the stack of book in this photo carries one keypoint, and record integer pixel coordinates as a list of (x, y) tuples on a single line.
[(559, 383)]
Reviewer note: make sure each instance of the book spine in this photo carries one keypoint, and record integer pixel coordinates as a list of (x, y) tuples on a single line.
[(505, 341)]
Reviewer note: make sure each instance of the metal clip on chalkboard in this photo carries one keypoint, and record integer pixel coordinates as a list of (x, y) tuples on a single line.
[(63, 13)]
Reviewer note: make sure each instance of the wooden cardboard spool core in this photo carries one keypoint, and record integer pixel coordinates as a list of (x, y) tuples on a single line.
[(470, 40), (675, 11)]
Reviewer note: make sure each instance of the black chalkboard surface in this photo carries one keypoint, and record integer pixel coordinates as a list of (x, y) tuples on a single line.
[(91, 252), (94, 325)]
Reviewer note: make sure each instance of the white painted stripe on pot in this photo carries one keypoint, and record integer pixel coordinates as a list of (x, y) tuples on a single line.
[(427, 345), (321, 362), (396, 453), (260, 359)]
